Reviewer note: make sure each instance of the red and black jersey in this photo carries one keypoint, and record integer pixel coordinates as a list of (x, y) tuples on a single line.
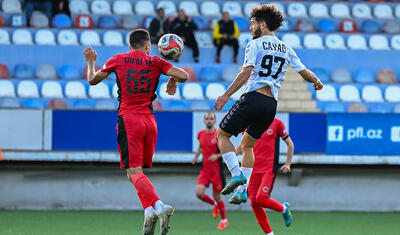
[(137, 79), (209, 146), (266, 150)]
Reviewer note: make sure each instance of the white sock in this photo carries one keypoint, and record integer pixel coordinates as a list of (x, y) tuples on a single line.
[(224, 220), (149, 211), (231, 161), (247, 172), (284, 209), (159, 206), (271, 233)]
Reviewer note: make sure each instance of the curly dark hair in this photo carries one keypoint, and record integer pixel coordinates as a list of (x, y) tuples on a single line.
[(268, 14)]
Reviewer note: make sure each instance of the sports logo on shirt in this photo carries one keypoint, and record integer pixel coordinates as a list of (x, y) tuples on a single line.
[(265, 189), (270, 132), (213, 141)]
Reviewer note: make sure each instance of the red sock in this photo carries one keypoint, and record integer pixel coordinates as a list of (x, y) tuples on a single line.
[(221, 208), (145, 190), (271, 204), (208, 199), (262, 219)]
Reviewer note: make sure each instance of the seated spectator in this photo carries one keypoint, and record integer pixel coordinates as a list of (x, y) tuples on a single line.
[(158, 26), (226, 32), (40, 5), (184, 27), (61, 7)]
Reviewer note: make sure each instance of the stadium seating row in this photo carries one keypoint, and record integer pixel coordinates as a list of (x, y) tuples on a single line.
[(205, 73), (354, 93), (342, 107), (120, 38), (189, 91), (214, 8), (81, 90)]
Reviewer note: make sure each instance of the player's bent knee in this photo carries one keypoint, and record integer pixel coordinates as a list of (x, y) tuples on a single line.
[(200, 195), (130, 172)]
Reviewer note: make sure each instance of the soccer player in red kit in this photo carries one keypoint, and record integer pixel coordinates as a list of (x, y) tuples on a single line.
[(262, 180), (137, 79), (212, 171)]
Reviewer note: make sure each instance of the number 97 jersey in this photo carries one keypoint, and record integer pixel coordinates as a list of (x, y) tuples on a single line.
[(269, 57), (137, 79)]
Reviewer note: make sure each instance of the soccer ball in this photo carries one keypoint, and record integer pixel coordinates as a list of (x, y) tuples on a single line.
[(170, 46)]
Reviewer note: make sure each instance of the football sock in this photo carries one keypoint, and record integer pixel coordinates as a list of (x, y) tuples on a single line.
[(262, 219), (231, 161), (271, 233), (247, 172), (271, 204), (208, 199), (159, 206), (145, 190), (221, 208), (149, 211)]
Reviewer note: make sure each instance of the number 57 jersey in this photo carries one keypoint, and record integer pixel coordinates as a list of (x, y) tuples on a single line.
[(269, 57), (137, 79)]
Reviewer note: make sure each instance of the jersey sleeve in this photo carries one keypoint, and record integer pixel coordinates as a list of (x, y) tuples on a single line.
[(111, 65), (250, 54), (282, 130), (163, 65), (294, 61)]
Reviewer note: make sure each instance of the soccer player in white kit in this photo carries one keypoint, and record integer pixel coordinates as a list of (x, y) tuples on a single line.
[(264, 68)]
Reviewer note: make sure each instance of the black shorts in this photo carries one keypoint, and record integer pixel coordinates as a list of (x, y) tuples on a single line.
[(253, 112)]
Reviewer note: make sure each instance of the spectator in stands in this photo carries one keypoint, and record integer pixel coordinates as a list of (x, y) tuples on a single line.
[(61, 7), (40, 5), (158, 26), (184, 27), (226, 32)]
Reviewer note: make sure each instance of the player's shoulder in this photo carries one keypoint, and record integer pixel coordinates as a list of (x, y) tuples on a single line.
[(202, 132), (278, 123)]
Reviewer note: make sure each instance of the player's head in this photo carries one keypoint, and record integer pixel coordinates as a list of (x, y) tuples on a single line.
[(139, 39), (209, 120), (264, 19)]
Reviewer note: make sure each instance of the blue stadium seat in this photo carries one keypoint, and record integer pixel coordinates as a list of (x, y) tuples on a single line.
[(84, 104), (332, 107), (370, 26), (322, 74), (105, 104), (341, 75), (243, 23), (10, 103), (34, 103), (201, 22), (200, 105), (364, 76), (107, 22), (380, 107), (17, 20), (176, 104), (326, 26), (287, 26), (61, 21), (69, 72), (23, 71), (209, 74)]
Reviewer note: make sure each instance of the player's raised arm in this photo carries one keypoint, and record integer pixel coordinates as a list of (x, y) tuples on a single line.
[(309, 76), (177, 75), (239, 81), (289, 155), (93, 77)]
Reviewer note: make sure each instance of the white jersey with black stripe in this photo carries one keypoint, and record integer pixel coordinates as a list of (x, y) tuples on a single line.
[(269, 57)]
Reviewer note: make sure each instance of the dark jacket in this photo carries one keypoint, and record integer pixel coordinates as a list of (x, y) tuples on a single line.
[(183, 28), (154, 28)]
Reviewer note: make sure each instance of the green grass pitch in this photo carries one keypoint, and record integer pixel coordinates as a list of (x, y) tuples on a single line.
[(196, 223)]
